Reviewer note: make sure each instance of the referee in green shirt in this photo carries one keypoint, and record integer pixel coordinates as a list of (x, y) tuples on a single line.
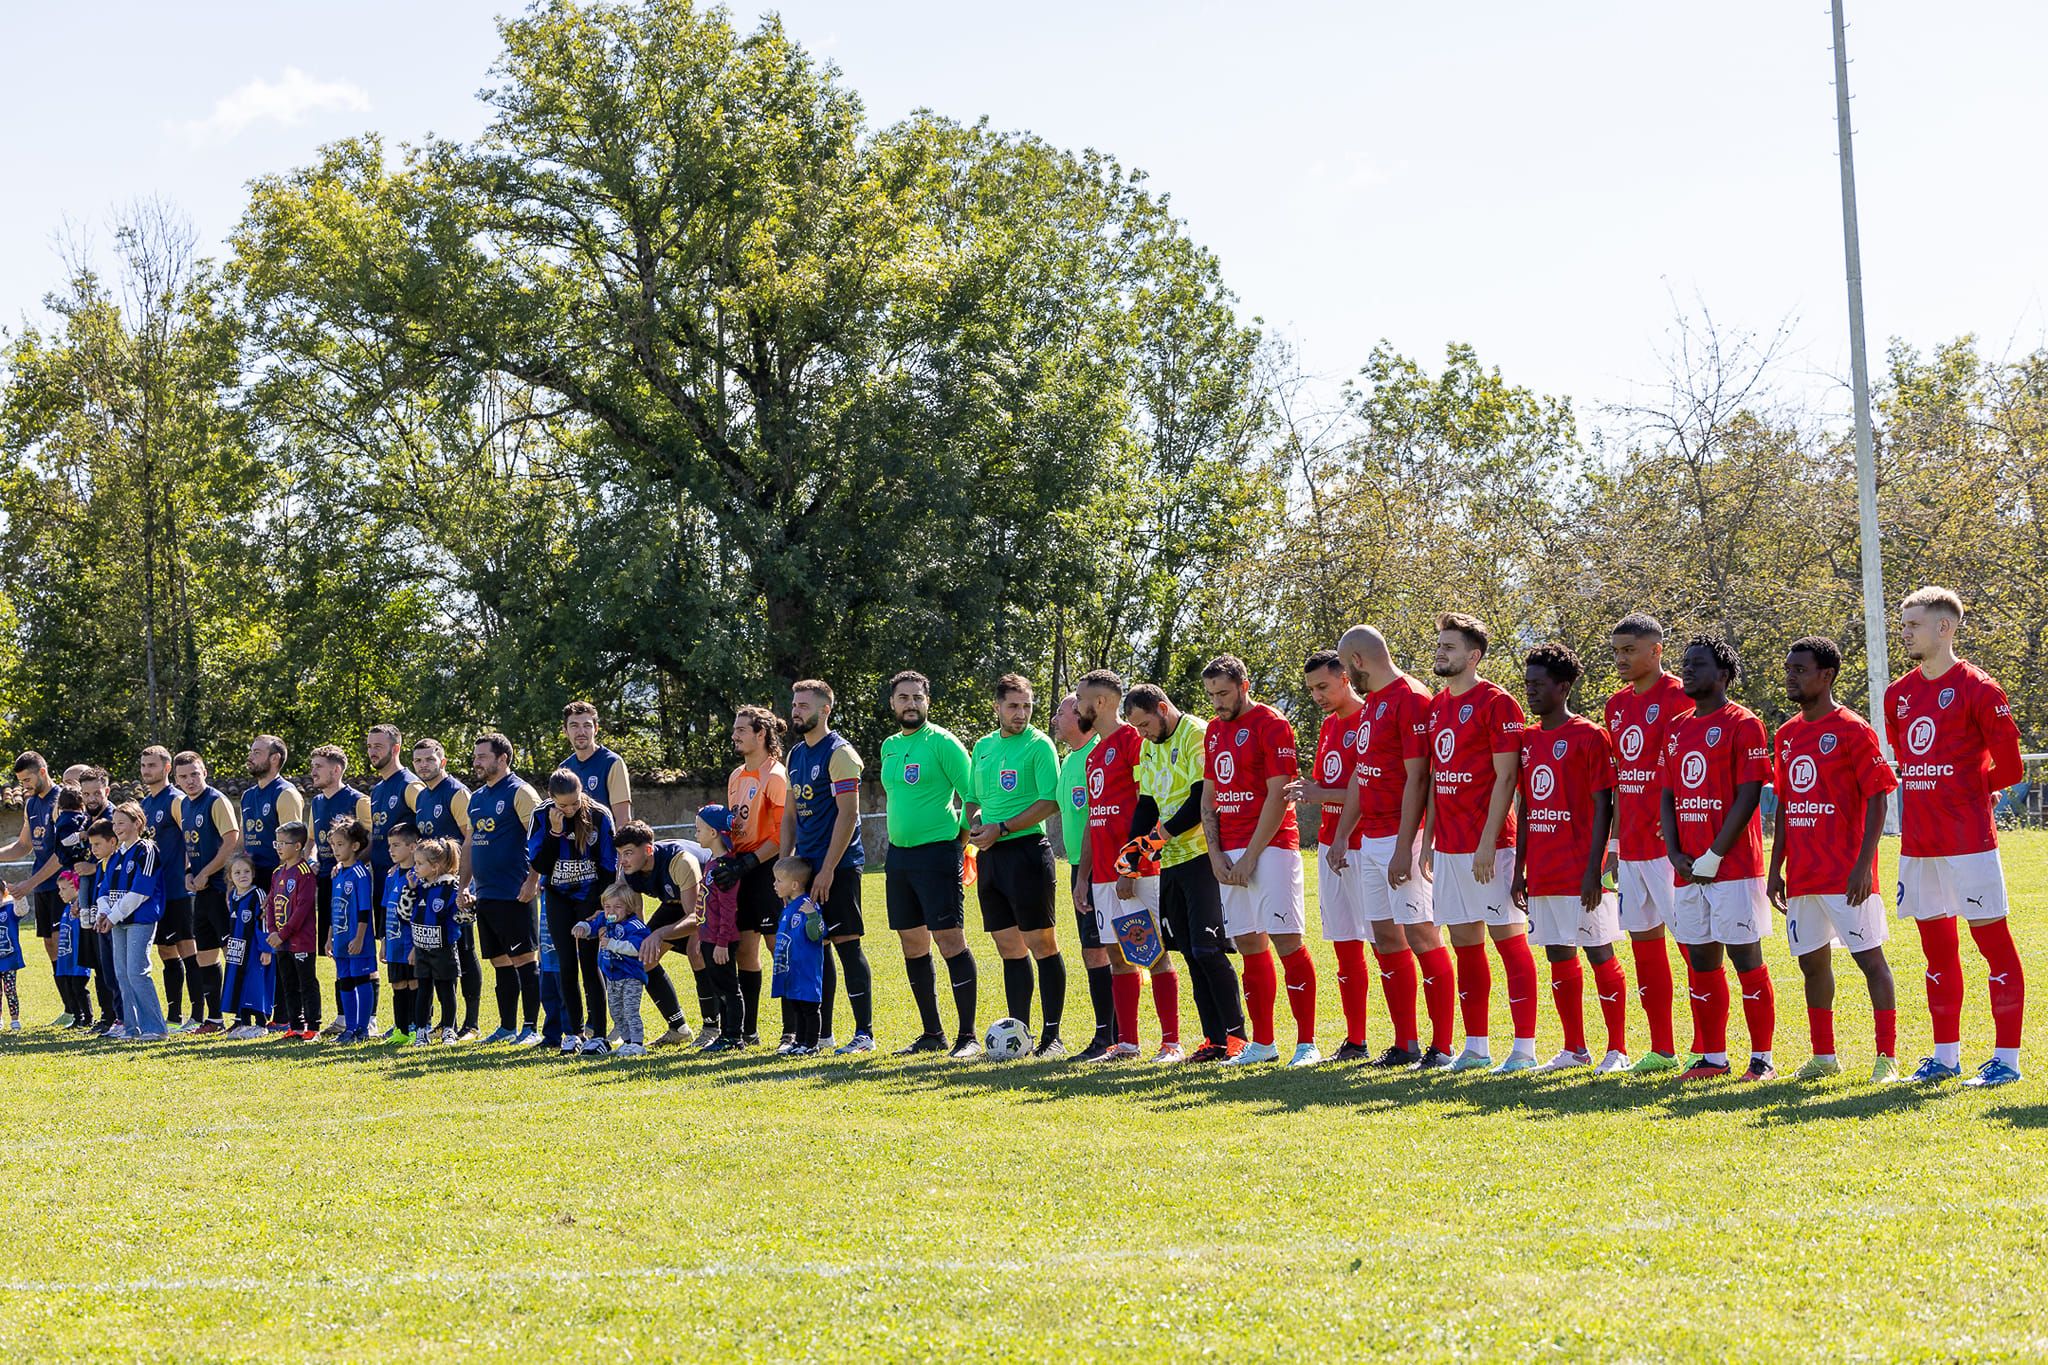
[(925, 780), (1014, 789)]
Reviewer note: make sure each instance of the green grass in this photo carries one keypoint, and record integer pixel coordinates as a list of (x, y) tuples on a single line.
[(211, 1200)]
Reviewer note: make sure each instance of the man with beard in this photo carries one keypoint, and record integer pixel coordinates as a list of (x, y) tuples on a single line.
[(441, 811), (211, 837), (503, 886), (1015, 788), (821, 825), (37, 843)]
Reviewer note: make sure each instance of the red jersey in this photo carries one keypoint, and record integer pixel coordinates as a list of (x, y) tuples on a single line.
[(1563, 771), (1826, 772), (1395, 728), (1112, 800), (1241, 756), (1951, 734), (1464, 735), (1336, 757), (1638, 722), (1705, 759)]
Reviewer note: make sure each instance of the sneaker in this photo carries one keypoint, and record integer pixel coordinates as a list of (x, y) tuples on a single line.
[(1209, 1052), (1348, 1051), (398, 1037), (709, 1036), (465, 1035), (924, 1042), (106, 1026), (594, 1047), (450, 1036), (180, 1025), (825, 1045), (1169, 1054), (1513, 1062), (64, 1021), (14, 1026), (1818, 1069), (148, 1037), (571, 1045), (614, 1038), (964, 1049), (117, 1031), (333, 1029), (727, 1044), (209, 1028), (1612, 1064), (802, 1050), (501, 1034), (1759, 1070), (1305, 1054), (1883, 1070), (1993, 1073), (1093, 1052), (423, 1038), (1052, 1049), (1703, 1070), (1432, 1060), (632, 1050), (376, 1035), (1396, 1056), (862, 1042), (1933, 1071), (1472, 1061), (1567, 1060), (675, 1037), (1120, 1052), (781, 1049), (1253, 1054), (753, 1040), (242, 1033), (526, 1037), (1650, 1063)]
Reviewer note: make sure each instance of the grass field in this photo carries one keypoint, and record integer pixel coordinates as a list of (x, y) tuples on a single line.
[(259, 1201)]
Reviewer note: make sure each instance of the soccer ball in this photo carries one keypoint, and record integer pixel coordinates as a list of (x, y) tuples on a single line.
[(1007, 1039)]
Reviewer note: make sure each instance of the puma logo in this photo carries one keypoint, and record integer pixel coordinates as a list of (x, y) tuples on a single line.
[(1752, 995), (1745, 924), (1386, 975), (1934, 977), (1697, 996), (1610, 999), (1977, 901), (1999, 979), (1495, 909), (1856, 934), (1428, 981), (1301, 985)]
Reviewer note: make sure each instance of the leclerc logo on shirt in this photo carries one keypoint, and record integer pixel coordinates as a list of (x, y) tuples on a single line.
[(1805, 772), (1094, 785), (1920, 735), (1226, 766), (1693, 770), (1333, 767), (1632, 743), (1446, 745), (1542, 782)]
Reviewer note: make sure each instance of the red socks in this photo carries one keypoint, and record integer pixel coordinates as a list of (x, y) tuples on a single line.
[(1439, 993), (2007, 979), (1166, 1001), (1887, 1033), (1354, 988), (1124, 988), (1654, 989), (1944, 978), (1301, 993), (1475, 988), (1568, 989), (1397, 985), (1518, 964), (1820, 1026), (1709, 1010), (1610, 983), (1260, 986), (1759, 1007)]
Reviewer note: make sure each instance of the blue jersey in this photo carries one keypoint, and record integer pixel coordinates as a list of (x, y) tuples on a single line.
[(326, 810), (161, 824), (76, 851), (574, 869), (603, 775), (391, 801), (618, 947), (548, 963), (248, 983), (433, 915), (200, 819), (10, 938), (397, 929), (671, 878), (351, 908), (41, 815), (276, 802), (818, 773), (70, 933), (442, 810), (138, 870), (500, 817), (799, 958)]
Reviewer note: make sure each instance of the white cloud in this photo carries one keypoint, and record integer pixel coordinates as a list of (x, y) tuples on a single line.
[(285, 101)]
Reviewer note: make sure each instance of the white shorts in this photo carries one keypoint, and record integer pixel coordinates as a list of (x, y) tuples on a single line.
[(1966, 886), (1814, 922), (1108, 905), (1565, 922), (1412, 902), (1460, 899), (1721, 912), (1340, 898), (1644, 886), (1273, 903)]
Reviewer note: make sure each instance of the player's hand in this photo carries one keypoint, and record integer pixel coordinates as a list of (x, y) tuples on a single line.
[(1682, 865), (1859, 888), (821, 886), (1483, 865), (1127, 888), (579, 930), (556, 824), (1338, 857), (465, 898), (105, 925), (1428, 863), (263, 958), (1400, 867), (983, 837), (1611, 867), (1591, 891), (15, 890), (274, 940), (1295, 792), (529, 888), (651, 951), (1518, 891), (719, 953), (1775, 890)]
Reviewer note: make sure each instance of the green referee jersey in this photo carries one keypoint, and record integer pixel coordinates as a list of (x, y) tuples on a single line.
[(925, 777), (1013, 772), (1073, 798), (1167, 772)]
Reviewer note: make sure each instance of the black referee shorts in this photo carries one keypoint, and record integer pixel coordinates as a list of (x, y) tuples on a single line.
[(1017, 886), (922, 882)]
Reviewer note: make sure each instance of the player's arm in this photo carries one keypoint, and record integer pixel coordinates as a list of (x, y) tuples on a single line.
[(1348, 815), (229, 828), (1045, 762), (1212, 829), (618, 791), (525, 801), (844, 771), (1774, 886), (458, 811), (22, 843), (1667, 816), (2001, 740), (771, 845), (291, 805), (1518, 885), (957, 769), (1740, 812), (1270, 815), (1414, 812), (1592, 888), (1506, 771), (1083, 878), (1864, 873)]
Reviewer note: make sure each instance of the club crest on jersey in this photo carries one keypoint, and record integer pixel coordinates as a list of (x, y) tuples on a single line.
[(1542, 782), (1381, 710), (1079, 796), (1632, 743), (910, 773), (1557, 749), (1827, 742), (1243, 734), (1351, 737), (1713, 735), (1109, 755), (817, 770), (1008, 779), (501, 807), (1465, 713), (1650, 713), (591, 782), (1948, 694)]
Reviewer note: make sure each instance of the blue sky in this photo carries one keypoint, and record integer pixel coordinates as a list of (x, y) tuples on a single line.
[(1541, 180)]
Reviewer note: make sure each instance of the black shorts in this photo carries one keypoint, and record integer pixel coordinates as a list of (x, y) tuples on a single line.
[(323, 909), (922, 886), (175, 925), (1017, 885), (505, 928), (49, 909), (210, 918), (1191, 908), (760, 907), (436, 964), (671, 913), (842, 906), (395, 972), (1084, 919)]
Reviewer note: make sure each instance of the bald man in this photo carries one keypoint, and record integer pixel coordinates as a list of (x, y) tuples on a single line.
[(1387, 792)]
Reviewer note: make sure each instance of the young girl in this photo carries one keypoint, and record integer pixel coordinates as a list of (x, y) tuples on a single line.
[(429, 906), (619, 932), (69, 970), (10, 959), (350, 913), (248, 983), (725, 1024), (402, 839), (799, 954)]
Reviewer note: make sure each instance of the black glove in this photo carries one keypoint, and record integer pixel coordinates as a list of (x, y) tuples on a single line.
[(726, 873)]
